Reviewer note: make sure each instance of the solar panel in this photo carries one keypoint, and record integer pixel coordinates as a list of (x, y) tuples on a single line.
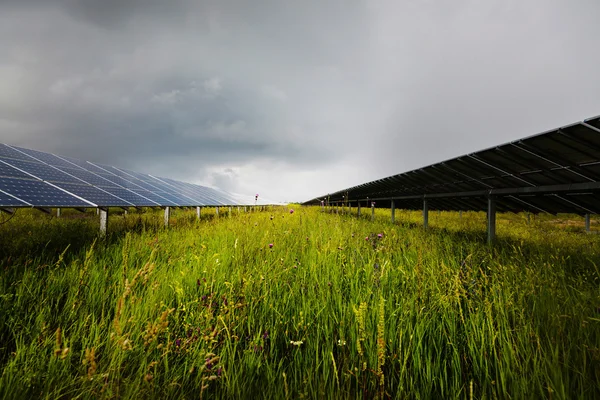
[(6, 151), (131, 197), (95, 195), (9, 201), (555, 171), (42, 171), (47, 158), (158, 198), (40, 194), (10, 172), (33, 178)]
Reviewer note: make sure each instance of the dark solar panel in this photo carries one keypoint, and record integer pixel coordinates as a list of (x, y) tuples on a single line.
[(131, 197), (10, 172), (40, 194), (48, 158), (543, 172), (8, 152), (95, 195), (9, 201), (87, 176), (157, 198), (42, 171)]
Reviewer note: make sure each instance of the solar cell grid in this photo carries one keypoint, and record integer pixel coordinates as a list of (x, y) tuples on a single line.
[(131, 197), (43, 171), (8, 152), (48, 158), (95, 195), (9, 201), (87, 177), (40, 194), (157, 198), (9, 172)]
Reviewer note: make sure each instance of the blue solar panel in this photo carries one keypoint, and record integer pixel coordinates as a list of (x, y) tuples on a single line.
[(95, 195), (118, 181), (87, 176), (131, 197), (40, 194), (156, 197), (42, 171), (9, 201), (6, 151), (9, 172), (23, 172), (84, 164), (45, 157)]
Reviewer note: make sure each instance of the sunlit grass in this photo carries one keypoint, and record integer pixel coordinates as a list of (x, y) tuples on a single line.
[(339, 307)]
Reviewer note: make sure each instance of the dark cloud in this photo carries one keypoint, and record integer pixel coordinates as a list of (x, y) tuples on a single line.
[(290, 99)]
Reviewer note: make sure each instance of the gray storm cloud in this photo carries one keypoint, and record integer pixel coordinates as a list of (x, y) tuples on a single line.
[(290, 99)]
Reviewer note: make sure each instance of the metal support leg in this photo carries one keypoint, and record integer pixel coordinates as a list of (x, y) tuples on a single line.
[(198, 210), (587, 223), (491, 220), (460, 215), (425, 214), (103, 221), (528, 218), (372, 212), (358, 210), (58, 213), (167, 216), (393, 211), (217, 211)]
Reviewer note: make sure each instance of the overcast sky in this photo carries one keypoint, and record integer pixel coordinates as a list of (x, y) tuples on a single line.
[(291, 99)]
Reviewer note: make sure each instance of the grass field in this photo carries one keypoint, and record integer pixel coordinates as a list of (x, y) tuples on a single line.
[(307, 304)]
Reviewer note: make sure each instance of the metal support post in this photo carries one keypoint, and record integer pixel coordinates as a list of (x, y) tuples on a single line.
[(358, 209), (230, 211), (587, 223), (217, 211), (372, 211), (425, 214), (528, 218), (393, 211), (103, 220), (58, 213), (491, 219), (198, 210), (125, 212), (167, 216), (460, 215)]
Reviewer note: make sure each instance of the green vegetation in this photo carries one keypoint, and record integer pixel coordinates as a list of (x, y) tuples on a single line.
[(338, 307)]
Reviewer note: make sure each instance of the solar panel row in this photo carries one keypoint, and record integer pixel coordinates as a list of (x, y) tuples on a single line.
[(555, 171), (30, 178)]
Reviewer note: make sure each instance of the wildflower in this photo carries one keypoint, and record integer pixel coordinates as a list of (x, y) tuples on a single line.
[(376, 266), (219, 370), (198, 282), (209, 364), (296, 343), (178, 342), (265, 335), (341, 342), (379, 235), (367, 238), (270, 245), (307, 238), (291, 211)]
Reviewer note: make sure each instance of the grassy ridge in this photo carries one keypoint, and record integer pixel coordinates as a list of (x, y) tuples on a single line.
[(338, 307)]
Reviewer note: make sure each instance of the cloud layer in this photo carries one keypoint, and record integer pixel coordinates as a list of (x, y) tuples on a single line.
[(290, 99)]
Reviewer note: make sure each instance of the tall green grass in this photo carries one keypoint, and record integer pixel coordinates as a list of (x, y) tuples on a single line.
[(338, 307)]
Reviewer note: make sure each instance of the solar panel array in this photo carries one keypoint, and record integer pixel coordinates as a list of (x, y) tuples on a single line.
[(555, 171), (30, 178)]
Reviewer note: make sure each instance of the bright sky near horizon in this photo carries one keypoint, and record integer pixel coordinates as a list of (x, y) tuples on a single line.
[(291, 99)]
